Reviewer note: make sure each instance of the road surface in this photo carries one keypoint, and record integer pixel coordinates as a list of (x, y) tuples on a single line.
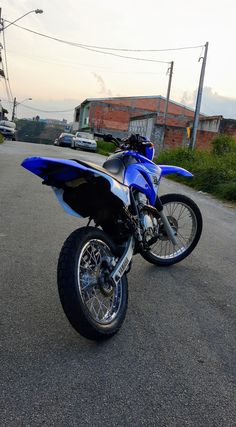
[(173, 361)]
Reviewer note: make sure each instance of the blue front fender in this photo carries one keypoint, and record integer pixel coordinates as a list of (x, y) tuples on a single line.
[(168, 169)]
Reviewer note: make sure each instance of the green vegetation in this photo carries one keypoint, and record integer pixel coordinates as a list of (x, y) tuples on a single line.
[(214, 172), (37, 132), (1, 138), (29, 131), (105, 148)]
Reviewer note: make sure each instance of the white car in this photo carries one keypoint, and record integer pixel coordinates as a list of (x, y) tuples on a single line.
[(8, 129), (84, 140)]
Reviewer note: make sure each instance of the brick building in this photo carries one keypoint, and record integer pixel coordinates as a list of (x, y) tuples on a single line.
[(122, 116), (113, 115)]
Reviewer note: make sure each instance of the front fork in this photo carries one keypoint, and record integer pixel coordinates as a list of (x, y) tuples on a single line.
[(125, 260), (169, 230)]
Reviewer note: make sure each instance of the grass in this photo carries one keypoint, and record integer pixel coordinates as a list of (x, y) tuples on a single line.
[(105, 148), (1, 138), (214, 172)]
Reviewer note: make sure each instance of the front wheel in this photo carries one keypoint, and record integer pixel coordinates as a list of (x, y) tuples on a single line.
[(93, 305), (186, 220)]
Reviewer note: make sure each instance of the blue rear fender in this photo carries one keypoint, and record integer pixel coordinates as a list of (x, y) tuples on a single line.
[(56, 172), (168, 169)]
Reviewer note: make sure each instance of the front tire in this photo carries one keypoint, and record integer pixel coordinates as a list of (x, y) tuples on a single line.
[(93, 307), (186, 219)]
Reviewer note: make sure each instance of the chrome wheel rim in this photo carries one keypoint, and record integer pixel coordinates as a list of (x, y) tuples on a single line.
[(102, 302), (183, 220)]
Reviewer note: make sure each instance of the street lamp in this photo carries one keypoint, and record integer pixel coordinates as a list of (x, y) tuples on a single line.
[(31, 11), (15, 104)]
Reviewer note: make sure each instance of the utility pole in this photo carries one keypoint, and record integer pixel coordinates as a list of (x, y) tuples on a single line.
[(1, 27), (170, 71), (199, 99), (13, 109)]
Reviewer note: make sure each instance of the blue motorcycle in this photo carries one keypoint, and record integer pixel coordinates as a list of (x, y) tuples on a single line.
[(121, 198)]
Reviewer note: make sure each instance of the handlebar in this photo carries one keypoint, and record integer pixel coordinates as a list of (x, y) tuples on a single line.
[(134, 141), (109, 138)]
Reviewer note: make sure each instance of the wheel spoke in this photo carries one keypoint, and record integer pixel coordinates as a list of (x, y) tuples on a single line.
[(183, 221), (102, 308)]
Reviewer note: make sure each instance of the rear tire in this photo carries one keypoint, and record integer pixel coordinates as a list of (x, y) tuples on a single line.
[(94, 310), (176, 206)]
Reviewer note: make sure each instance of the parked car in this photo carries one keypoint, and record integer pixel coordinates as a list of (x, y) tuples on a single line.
[(84, 140), (8, 129), (64, 139)]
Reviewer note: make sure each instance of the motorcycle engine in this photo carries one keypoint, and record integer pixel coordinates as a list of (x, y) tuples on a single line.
[(148, 221)]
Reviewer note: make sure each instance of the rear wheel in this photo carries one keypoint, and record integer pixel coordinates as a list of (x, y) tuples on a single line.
[(186, 220), (93, 306)]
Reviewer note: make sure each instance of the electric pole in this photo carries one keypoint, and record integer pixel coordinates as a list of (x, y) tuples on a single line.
[(13, 109), (170, 71), (198, 102)]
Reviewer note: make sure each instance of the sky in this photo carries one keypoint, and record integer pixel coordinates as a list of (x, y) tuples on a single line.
[(58, 77)]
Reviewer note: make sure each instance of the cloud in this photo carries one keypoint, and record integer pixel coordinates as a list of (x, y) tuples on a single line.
[(103, 89), (212, 103)]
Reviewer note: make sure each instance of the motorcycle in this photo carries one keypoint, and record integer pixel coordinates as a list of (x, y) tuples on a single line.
[(121, 198)]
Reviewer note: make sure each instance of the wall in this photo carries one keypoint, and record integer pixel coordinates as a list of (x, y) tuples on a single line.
[(204, 139), (115, 113), (112, 117), (177, 137), (142, 126), (210, 124), (176, 109), (174, 137), (228, 126)]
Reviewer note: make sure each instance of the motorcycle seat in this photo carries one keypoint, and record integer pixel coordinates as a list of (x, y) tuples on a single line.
[(113, 167)]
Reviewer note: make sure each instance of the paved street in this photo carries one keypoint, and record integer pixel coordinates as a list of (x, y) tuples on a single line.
[(173, 363)]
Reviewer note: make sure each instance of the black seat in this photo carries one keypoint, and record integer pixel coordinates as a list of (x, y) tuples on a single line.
[(113, 167)]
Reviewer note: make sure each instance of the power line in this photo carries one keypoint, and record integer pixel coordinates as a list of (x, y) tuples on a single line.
[(47, 111), (106, 47), (41, 111), (91, 49), (78, 65)]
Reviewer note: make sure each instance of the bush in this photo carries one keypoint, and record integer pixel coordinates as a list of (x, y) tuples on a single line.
[(213, 173), (1, 138), (28, 130), (223, 144), (105, 148), (227, 191)]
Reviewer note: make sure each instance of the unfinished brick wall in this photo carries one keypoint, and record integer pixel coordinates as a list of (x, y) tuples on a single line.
[(104, 117), (177, 137), (116, 113), (204, 139), (174, 137), (175, 109)]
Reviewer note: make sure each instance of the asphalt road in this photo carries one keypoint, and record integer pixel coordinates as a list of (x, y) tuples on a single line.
[(173, 361)]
